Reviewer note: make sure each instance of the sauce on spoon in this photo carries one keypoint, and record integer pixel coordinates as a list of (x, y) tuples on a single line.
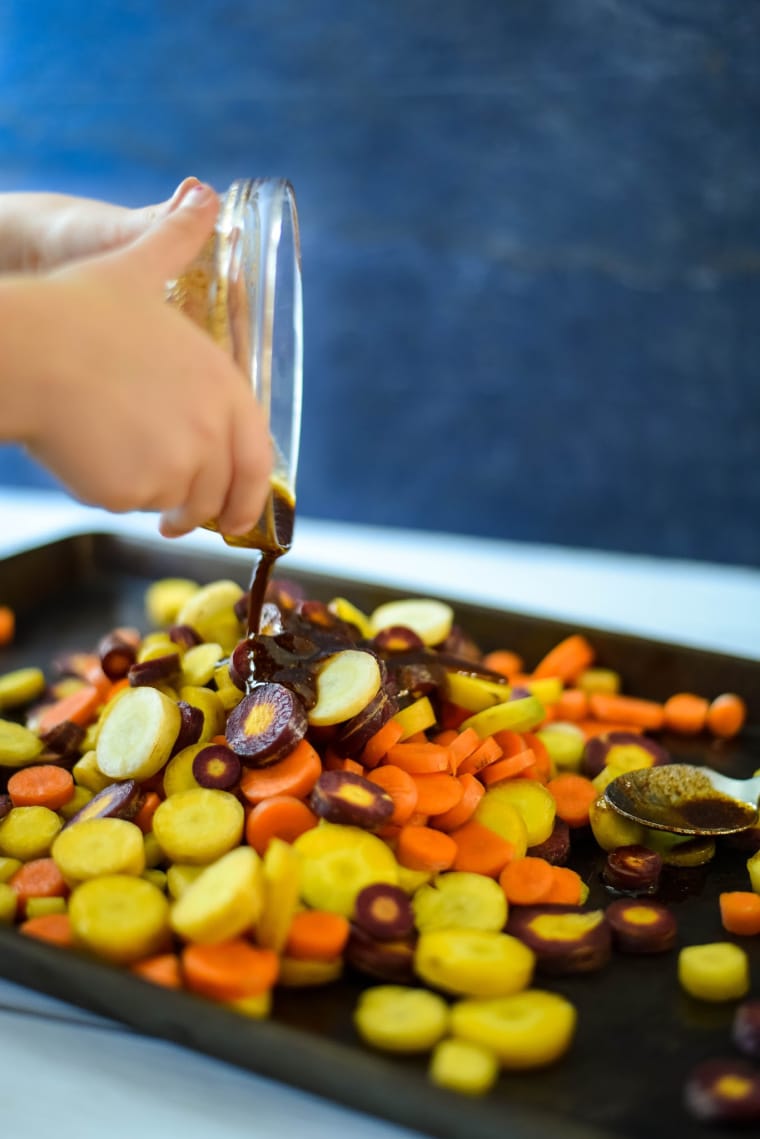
[(679, 798)]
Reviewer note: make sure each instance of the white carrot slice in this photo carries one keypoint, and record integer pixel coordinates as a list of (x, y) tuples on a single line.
[(138, 734), (346, 682)]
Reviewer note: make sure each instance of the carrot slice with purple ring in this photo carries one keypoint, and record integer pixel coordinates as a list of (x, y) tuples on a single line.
[(632, 870), (723, 1091), (344, 797), (384, 911), (641, 927), (217, 766), (565, 939), (266, 725)]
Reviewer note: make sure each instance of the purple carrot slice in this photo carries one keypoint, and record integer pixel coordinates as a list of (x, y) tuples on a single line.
[(565, 939), (724, 1091), (117, 654), (556, 848), (397, 639), (217, 767), (190, 728), (117, 801), (384, 912), (344, 797), (600, 750), (185, 636), (154, 671), (352, 736), (266, 725), (632, 870), (641, 926), (391, 961)]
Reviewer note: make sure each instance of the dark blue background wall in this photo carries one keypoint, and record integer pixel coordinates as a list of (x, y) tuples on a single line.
[(531, 238)]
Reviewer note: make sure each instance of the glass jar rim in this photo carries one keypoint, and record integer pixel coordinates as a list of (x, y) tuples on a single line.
[(260, 215)]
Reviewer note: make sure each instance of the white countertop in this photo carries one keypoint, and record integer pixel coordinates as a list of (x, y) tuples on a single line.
[(78, 1077)]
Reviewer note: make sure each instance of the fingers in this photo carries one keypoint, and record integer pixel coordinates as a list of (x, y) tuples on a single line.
[(136, 222), (252, 458), (231, 487), (205, 496), (174, 240)]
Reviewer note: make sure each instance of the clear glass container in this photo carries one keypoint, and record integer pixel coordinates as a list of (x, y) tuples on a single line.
[(245, 290)]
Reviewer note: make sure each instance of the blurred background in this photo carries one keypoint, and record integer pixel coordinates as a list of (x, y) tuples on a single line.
[(530, 231)]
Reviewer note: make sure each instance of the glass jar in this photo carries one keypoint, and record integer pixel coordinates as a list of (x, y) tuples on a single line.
[(245, 290)]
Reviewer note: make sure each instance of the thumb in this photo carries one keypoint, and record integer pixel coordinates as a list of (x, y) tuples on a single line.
[(174, 240)]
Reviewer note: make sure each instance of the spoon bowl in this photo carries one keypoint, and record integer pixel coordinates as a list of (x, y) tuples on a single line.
[(684, 799)]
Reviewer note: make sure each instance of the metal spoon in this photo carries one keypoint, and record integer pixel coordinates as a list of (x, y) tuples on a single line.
[(683, 799)]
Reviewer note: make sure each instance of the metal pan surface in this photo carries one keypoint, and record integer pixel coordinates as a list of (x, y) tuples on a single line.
[(639, 1035)]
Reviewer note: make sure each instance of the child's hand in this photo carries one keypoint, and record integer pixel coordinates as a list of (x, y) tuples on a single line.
[(41, 231), (124, 399)]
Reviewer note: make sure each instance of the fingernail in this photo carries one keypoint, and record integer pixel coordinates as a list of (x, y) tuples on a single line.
[(184, 188), (196, 197)]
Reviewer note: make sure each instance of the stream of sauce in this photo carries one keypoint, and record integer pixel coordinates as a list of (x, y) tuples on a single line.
[(270, 538)]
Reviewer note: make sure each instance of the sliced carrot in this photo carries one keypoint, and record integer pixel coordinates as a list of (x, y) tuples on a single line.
[(740, 912), (317, 935), (508, 767), (511, 743), (331, 761), (483, 756), (418, 819), (402, 789), (472, 792), (334, 762), (7, 625), (543, 761), (451, 715), (280, 816), (527, 881), (592, 728), (229, 970), (53, 928), (295, 775), (118, 686), (42, 785), (574, 796), (566, 660), (437, 793), (480, 850), (648, 714), (567, 888), (686, 713), (376, 747), (81, 707), (446, 737), (151, 801), (221, 740), (504, 662), (38, 878), (423, 848), (572, 705), (726, 715), (419, 758), (389, 833), (163, 969), (461, 747)]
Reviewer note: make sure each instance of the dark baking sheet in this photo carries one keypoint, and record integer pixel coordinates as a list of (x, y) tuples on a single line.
[(638, 1034)]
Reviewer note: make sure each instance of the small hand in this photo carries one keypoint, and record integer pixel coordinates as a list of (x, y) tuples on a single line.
[(132, 406)]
